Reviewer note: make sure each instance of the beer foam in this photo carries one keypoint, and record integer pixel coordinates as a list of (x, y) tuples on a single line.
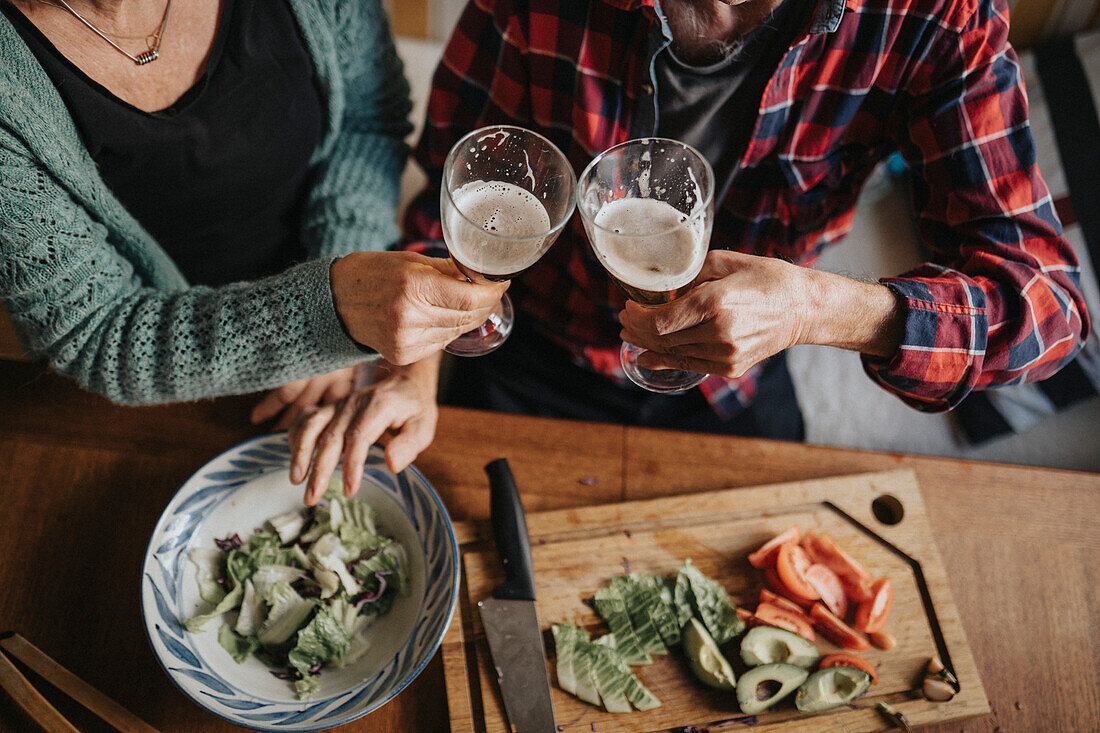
[(666, 261), (505, 210), (502, 208)]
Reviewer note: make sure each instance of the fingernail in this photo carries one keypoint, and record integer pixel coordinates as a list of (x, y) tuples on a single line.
[(295, 475)]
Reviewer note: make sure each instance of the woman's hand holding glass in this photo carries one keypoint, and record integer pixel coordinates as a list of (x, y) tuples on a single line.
[(407, 306), (506, 195)]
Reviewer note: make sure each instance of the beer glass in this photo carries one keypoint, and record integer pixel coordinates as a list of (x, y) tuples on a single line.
[(648, 208), (506, 195)]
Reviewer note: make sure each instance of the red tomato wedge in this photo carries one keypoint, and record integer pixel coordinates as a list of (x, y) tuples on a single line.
[(828, 585), (765, 556), (858, 590), (822, 550), (791, 564), (744, 614), (775, 616), (836, 631), (849, 660), (871, 615), (766, 596), (774, 584)]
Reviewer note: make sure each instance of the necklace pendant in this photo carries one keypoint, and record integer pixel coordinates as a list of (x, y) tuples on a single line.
[(148, 57)]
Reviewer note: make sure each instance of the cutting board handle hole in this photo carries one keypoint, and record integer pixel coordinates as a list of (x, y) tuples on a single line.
[(888, 509)]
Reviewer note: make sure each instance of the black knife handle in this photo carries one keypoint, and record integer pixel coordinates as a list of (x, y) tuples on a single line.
[(510, 534)]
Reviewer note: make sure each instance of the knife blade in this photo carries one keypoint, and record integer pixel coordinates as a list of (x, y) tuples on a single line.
[(511, 624)]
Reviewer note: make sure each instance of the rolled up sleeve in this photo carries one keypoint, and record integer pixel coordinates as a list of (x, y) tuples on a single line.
[(999, 301)]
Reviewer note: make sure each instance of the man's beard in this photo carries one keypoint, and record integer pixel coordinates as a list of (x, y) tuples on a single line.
[(694, 23)]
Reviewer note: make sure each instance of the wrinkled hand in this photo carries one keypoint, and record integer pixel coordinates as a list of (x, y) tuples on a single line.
[(292, 398), (401, 404), (407, 306), (742, 310)]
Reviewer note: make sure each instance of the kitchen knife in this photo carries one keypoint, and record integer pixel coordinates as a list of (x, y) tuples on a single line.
[(511, 626)]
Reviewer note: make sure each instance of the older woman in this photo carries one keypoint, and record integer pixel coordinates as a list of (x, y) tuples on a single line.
[(187, 190)]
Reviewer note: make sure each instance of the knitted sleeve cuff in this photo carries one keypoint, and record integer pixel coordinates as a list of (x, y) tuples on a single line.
[(332, 336)]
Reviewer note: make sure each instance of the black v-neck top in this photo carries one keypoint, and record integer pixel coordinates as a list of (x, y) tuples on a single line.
[(219, 178), (714, 108)]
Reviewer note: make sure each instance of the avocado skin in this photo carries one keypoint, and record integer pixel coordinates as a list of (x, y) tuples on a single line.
[(808, 699), (789, 676)]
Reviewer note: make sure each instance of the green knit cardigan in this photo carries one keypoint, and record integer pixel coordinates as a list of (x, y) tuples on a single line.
[(91, 291)]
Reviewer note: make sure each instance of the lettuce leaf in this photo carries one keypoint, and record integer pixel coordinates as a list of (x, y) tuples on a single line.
[(288, 612), (239, 646), (307, 687), (324, 638), (209, 564)]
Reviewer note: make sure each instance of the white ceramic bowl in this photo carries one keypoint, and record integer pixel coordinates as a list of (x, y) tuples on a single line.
[(235, 493)]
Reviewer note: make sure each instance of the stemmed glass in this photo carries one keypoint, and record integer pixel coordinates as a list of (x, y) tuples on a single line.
[(507, 193), (648, 208)]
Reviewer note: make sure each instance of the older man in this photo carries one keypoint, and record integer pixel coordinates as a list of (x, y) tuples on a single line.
[(793, 102)]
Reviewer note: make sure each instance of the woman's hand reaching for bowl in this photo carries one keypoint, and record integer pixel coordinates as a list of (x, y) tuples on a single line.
[(399, 409), (292, 398)]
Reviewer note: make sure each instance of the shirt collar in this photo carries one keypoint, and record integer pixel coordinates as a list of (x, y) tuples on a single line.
[(826, 17)]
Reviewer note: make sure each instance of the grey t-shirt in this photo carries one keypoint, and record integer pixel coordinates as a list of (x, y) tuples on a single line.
[(714, 108)]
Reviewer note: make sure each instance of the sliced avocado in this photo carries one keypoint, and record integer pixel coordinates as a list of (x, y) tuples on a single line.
[(711, 603), (636, 597), (830, 688), (660, 609), (706, 658), (768, 644), (610, 681), (764, 686), (565, 647), (611, 606)]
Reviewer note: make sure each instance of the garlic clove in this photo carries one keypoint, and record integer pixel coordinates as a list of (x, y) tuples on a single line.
[(938, 690)]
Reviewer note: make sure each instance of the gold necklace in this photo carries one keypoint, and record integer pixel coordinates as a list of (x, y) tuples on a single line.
[(151, 53)]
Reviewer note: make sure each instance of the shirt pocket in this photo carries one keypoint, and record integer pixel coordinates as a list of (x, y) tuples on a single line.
[(807, 174)]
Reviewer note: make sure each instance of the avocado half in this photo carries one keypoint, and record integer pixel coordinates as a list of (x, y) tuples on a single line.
[(706, 659), (830, 688), (764, 686), (768, 645)]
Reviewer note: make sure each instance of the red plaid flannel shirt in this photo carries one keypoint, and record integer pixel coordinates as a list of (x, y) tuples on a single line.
[(997, 303)]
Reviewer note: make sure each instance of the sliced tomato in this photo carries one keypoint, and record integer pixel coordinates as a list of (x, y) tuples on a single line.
[(883, 640), (744, 614), (849, 660), (785, 619), (836, 631), (822, 550), (774, 584), (828, 585), (858, 590), (791, 564), (765, 556), (871, 615), (767, 596)]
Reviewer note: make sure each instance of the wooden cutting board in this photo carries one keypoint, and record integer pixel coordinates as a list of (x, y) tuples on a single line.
[(576, 551)]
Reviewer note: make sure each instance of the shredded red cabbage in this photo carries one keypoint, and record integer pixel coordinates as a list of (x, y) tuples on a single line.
[(229, 543), (372, 596)]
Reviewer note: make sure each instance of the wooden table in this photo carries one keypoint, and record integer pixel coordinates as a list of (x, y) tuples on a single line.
[(83, 483)]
